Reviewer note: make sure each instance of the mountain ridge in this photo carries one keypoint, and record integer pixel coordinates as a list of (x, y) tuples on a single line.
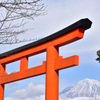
[(83, 88)]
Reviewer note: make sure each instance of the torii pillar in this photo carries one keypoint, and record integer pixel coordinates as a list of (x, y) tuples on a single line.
[(53, 62)]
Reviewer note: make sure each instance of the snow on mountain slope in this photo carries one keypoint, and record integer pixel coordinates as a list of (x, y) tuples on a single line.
[(78, 98), (84, 88)]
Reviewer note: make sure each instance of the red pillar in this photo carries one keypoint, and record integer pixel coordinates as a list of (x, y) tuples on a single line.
[(52, 76), (1, 92), (2, 71), (24, 64)]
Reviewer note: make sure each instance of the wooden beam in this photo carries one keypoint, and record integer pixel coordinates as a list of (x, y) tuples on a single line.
[(66, 62), (60, 41), (38, 70), (82, 23), (7, 78)]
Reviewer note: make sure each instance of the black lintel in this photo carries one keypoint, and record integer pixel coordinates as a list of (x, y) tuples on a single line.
[(83, 23)]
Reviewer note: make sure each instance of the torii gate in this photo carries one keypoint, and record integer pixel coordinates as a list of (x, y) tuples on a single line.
[(53, 62)]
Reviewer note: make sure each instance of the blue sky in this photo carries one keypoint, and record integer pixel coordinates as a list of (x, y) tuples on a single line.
[(60, 14)]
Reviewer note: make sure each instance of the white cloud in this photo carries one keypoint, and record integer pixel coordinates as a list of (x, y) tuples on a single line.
[(10, 98), (32, 92)]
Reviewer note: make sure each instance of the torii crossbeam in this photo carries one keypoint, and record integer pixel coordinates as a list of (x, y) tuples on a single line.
[(53, 62)]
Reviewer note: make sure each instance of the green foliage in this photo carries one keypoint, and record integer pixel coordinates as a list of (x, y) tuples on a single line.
[(98, 54)]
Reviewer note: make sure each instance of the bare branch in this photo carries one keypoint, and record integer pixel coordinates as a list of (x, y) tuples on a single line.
[(15, 14)]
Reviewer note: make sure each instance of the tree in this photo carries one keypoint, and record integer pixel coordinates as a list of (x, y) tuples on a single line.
[(98, 54), (14, 15)]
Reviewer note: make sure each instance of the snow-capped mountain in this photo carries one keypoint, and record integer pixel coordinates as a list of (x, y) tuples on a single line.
[(84, 88)]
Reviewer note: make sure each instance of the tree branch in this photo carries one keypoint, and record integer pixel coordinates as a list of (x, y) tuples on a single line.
[(15, 14)]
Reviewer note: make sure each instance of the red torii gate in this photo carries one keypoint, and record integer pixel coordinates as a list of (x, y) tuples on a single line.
[(51, 66)]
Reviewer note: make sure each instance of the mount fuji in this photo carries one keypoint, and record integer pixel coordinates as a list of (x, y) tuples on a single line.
[(87, 88)]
